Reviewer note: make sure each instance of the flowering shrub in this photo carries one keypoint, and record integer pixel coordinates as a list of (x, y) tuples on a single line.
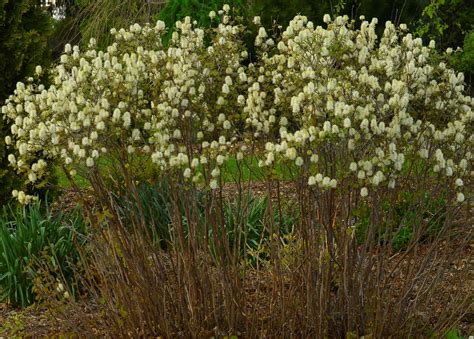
[(369, 109), (346, 119), (337, 102)]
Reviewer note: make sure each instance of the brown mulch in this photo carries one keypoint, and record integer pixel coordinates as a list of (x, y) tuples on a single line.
[(46, 321), (287, 190), (456, 284), (71, 197)]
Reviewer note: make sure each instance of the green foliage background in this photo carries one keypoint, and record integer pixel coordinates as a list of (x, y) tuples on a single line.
[(447, 22), (450, 23)]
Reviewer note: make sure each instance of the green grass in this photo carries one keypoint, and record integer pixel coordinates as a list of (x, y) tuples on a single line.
[(453, 334), (64, 182), (250, 171)]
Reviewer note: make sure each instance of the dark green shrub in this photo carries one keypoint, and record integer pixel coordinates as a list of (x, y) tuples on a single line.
[(464, 60), (282, 11), (450, 24), (467, 58), (446, 22)]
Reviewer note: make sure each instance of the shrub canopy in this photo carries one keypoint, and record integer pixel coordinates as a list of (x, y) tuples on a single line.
[(336, 102)]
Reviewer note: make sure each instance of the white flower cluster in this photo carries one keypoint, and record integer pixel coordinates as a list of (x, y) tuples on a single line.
[(370, 111), (337, 103)]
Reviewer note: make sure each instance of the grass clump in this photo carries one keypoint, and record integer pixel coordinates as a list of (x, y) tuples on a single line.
[(32, 238)]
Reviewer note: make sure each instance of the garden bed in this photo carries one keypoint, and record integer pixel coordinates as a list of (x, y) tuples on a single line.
[(74, 319)]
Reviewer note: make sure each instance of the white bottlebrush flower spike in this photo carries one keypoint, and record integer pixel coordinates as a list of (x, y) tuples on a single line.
[(364, 192)]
